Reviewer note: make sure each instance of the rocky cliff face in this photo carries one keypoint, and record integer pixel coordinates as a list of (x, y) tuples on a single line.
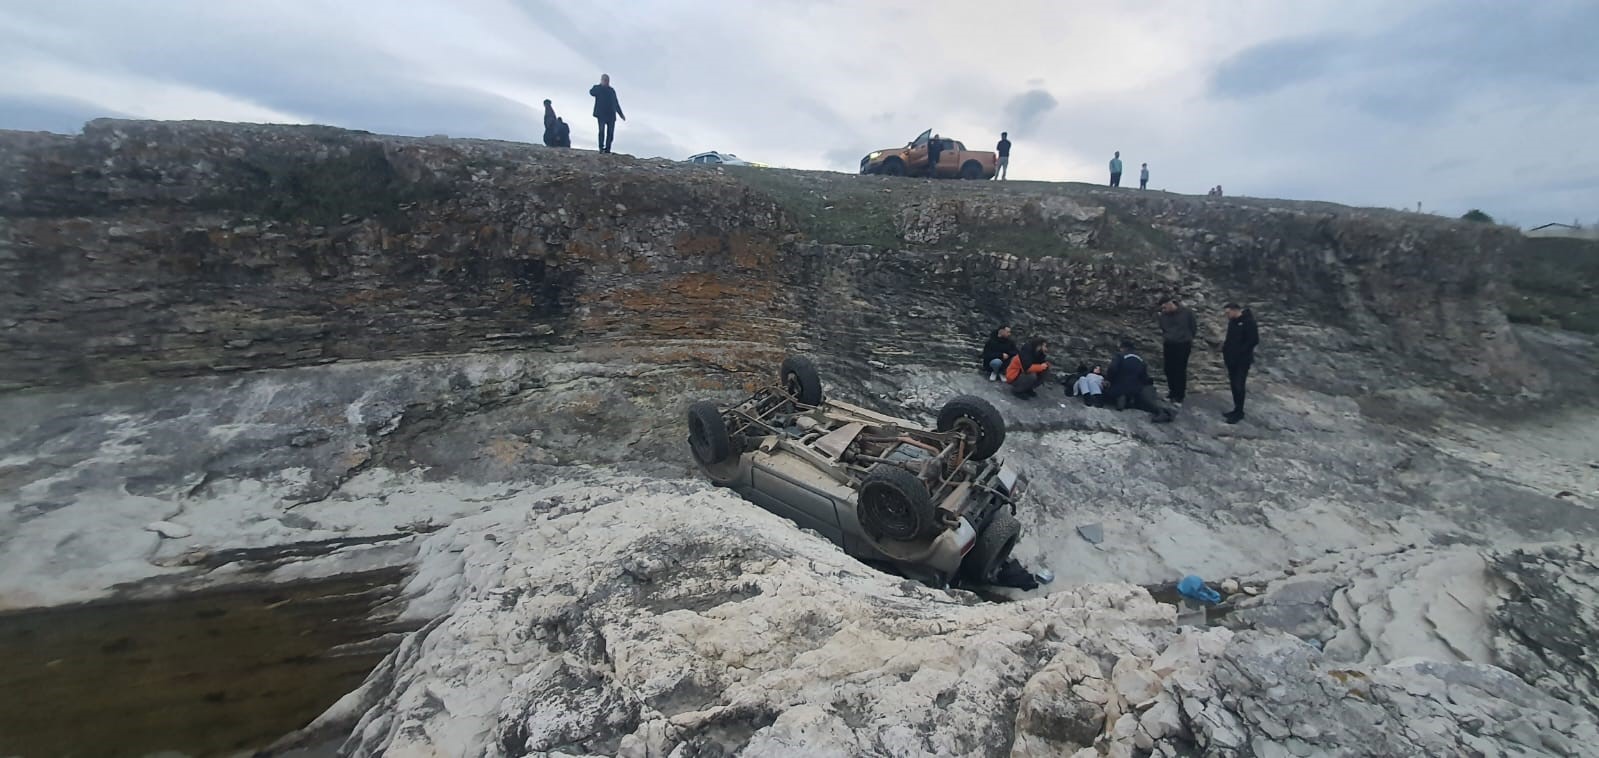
[(157, 249), (243, 354)]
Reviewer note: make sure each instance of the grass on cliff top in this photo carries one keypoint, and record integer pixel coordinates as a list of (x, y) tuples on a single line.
[(845, 209), (1555, 282)]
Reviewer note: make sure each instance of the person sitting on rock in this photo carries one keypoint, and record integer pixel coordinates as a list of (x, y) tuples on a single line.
[(1091, 387), (1026, 371), (1131, 386), (997, 351)]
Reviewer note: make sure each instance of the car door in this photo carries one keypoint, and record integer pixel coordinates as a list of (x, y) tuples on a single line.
[(796, 501)]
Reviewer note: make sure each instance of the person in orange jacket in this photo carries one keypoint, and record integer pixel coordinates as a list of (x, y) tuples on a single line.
[(1027, 368)]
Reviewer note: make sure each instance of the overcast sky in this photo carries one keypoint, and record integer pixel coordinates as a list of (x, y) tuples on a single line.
[(1453, 103)]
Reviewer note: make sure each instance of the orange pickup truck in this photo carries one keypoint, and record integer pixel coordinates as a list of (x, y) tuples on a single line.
[(911, 160)]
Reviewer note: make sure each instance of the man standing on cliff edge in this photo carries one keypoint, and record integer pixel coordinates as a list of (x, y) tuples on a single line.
[(606, 110)]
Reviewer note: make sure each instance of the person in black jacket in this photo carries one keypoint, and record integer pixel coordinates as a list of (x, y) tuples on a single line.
[(935, 146), (997, 351), (606, 110), (1238, 352), (550, 120), (1129, 385)]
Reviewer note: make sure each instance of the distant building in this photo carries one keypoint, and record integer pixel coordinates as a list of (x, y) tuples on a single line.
[(1574, 231)]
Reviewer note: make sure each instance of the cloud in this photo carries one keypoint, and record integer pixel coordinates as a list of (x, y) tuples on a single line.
[(1024, 111), (1269, 67)]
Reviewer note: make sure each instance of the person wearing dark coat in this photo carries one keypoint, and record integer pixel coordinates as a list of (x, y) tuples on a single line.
[(935, 146), (1238, 353), (1178, 327), (997, 351), (607, 109), (550, 121), (1129, 385)]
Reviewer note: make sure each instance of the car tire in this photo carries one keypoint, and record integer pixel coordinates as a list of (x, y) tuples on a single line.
[(799, 376), (894, 504), (707, 434), (971, 170), (978, 417), (993, 548), (892, 167)]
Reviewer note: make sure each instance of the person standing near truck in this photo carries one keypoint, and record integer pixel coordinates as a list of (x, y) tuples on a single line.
[(1143, 177), (1116, 169), (934, 147), (1003, 149), (606, 110)]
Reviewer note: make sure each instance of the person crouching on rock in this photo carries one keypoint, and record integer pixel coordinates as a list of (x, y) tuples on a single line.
[(998, 351), (1131, 386), (1026, 371), (1091, 387)]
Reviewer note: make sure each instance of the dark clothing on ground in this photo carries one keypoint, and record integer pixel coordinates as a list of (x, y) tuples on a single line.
[(1012, 574), (1238, 353), (1177, 332), (1003, 148), (1093, 401), (1175, 356), (607, 133), (1116, 179), (563, 134), (998, 347)]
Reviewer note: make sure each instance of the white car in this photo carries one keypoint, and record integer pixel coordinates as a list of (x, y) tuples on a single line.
[(714, 158)]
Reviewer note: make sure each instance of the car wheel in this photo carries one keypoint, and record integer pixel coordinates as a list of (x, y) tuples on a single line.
[(801, 379), (893, 167), (707, 434), (993, 547), (976, 419), (894, 504), (972, 170)]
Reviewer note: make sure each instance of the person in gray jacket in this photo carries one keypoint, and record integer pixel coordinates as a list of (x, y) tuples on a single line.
[(1177, 330)]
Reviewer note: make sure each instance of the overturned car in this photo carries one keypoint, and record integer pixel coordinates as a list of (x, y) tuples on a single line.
[(929, 504)]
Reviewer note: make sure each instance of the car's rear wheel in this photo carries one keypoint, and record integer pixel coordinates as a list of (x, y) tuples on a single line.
[(977, 420), (971, 170), (707, 434), (801, 379), (993, 548), (893, 167), (894, 504)]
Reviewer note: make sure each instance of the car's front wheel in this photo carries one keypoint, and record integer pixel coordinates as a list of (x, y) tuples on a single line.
[(893, 167), (707, 434), (801, 379), (894, 504)]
